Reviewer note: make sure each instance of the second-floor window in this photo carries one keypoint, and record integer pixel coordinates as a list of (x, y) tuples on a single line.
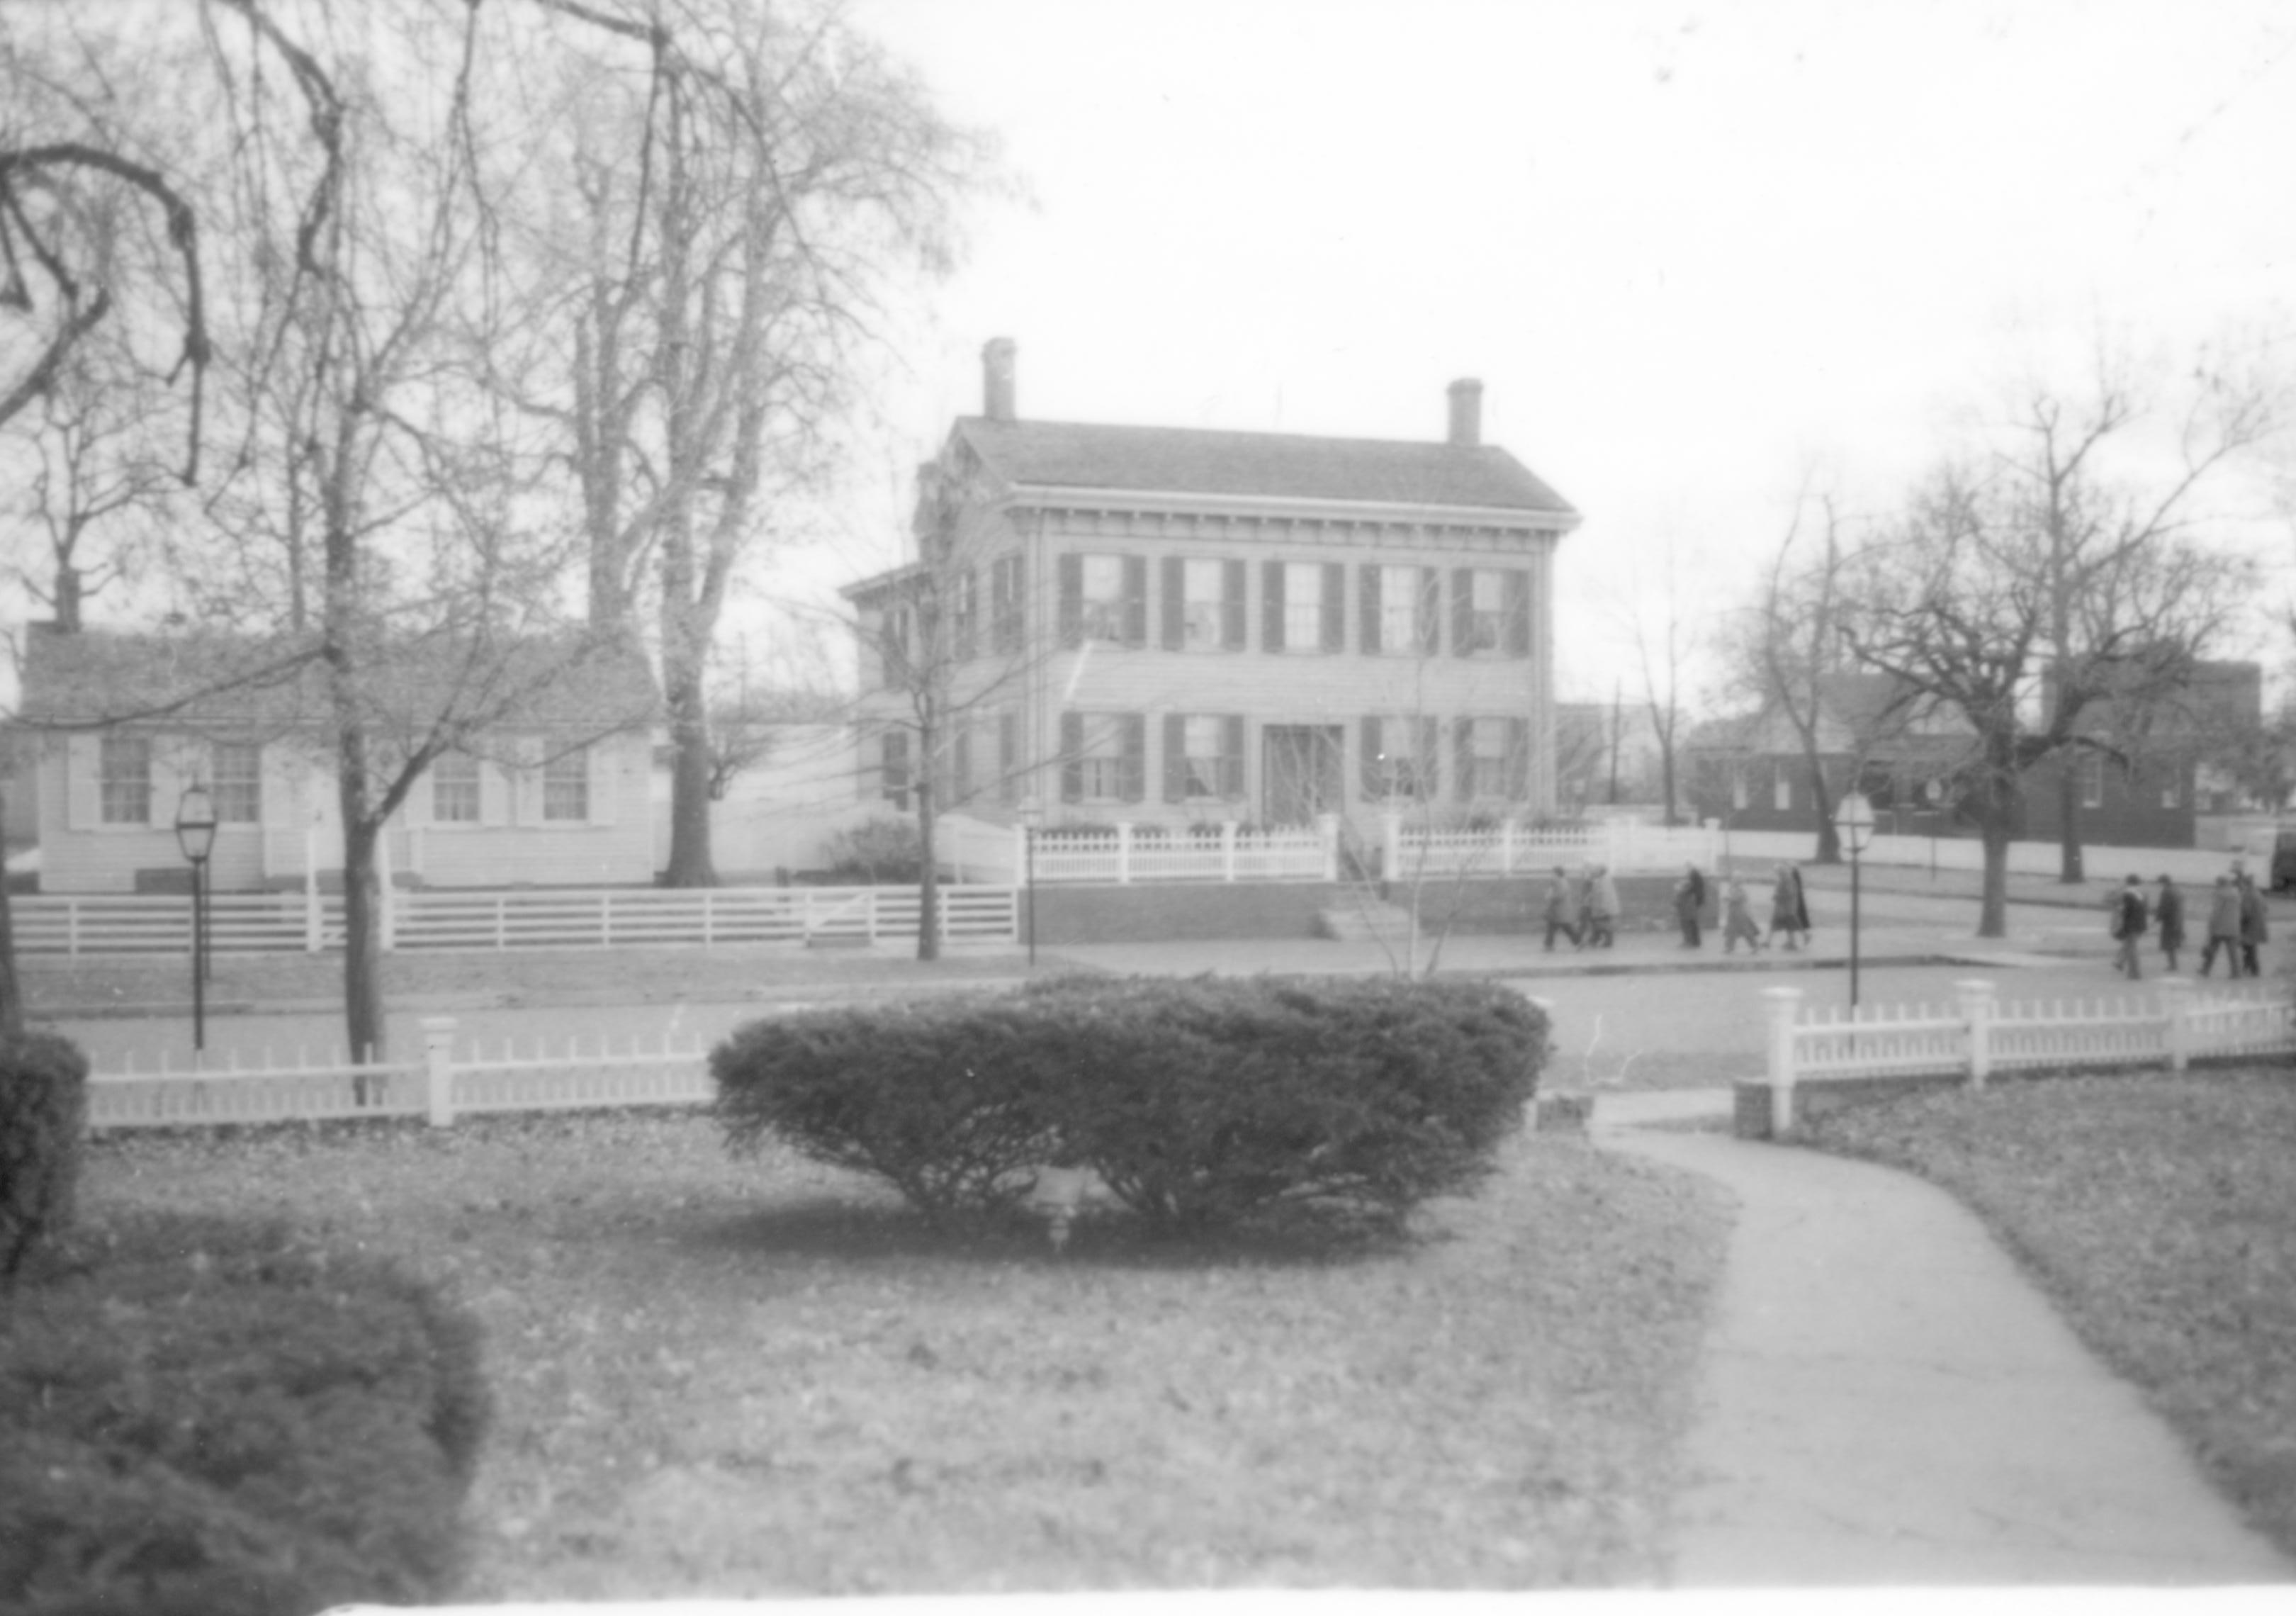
[(964, 613), (124, 779), (1004, 622), (238, 784), (1405, 613), (1103, 599), (1303, 606), (455, 789), (1490, 608)]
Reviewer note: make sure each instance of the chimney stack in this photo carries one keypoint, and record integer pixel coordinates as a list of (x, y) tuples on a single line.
[(997, 379), (1466, 413)]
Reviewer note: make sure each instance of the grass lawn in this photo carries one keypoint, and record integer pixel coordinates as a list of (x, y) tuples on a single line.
[(2160, 1213), (739, 1378)]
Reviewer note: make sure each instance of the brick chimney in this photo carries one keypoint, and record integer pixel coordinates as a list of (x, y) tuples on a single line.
[(1466, 413), (997, 379)]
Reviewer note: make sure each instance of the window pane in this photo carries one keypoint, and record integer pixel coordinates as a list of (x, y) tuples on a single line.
[(239, 785), (454, 790), (1489, 617), (1303, 605), (1203, 593), (1103, 598), (566, 786), (124, 773), (1398, 608)]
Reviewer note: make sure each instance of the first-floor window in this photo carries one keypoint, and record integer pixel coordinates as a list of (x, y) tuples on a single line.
[(1101, 756), (455, 789), (124, 778), (566, 786), (1203, 757), (1739, 795), (2091, 780), (1780, 788), (238, 784), (1398, 757)]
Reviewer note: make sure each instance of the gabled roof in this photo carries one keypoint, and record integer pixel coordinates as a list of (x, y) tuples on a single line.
[(1052, 455), (276, 684)]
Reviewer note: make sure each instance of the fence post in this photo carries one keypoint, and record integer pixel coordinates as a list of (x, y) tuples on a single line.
[(1391, 837), (1227, 851), (2177, 1002), (1506, 845), (1124, 852), (1327, 826), (438, 1068), (1785, 1007), (1977, 1008)]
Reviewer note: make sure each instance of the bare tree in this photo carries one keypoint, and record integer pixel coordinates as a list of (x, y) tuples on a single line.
[(1659, 650), (730, 218), (2030, 594)]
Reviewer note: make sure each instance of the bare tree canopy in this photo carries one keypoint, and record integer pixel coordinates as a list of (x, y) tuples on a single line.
[(2029, 591)]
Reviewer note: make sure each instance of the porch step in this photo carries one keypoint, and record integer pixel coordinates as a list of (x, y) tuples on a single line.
[(1365, 923)]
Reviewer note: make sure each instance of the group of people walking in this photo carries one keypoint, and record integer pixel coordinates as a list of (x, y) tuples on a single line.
[(1584, 907), (2237, 923)]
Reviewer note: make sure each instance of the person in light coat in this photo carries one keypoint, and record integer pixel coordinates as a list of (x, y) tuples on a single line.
[(2223, 927), (1738, 918)]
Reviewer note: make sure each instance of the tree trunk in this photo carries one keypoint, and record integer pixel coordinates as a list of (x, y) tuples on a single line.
[(690, 863), (1829, 839), (1666, 779), (11, 996), (929, 868), (2069, 833), (362, 1005)]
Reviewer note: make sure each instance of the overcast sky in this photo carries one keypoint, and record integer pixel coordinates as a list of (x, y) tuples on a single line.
[(1691, 250)]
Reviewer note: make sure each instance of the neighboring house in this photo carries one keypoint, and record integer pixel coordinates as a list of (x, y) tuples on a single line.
[(554, 794), (1167, 624), (2148, 779), (1752, 771)]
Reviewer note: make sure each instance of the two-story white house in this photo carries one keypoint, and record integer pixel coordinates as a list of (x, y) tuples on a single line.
[(1165, 626)]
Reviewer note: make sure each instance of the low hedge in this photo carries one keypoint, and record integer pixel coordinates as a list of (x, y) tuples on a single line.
[(209, 1416), (43, 1117), (1199, 1102)]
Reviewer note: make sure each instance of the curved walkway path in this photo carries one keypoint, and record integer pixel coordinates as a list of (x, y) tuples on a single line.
[(1887, 1401)]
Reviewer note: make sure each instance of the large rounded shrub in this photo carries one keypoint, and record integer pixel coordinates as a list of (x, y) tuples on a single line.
[(213, 1417), (1200, 1102)]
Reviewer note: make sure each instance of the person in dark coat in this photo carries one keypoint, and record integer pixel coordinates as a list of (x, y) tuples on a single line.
[(2253, 930), (1789, 907), (2168, 915), (1561, 910), (1689, 900), (2223, 928), (2128, 927)]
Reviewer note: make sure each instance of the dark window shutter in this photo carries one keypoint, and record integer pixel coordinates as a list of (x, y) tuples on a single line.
[(1132, 760), (1367, 590), (1463, 612), (1176, 603), (1232, 755), (1232, 606), (960, 773), (1335, 606), (893, 757), (1431, 611), (1518, 759), (1072, 570), (1427, 765), (969, 625), (1072, 757), (1462, 760), (1518, 614), (1008, 755), (1135, 600), (1271, 606), (1176, 757), (1374, 777)]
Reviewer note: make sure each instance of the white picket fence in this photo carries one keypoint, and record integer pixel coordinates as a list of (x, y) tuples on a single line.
[(439, 1086), (1977, 1036), (1124, 853), (603, 917)]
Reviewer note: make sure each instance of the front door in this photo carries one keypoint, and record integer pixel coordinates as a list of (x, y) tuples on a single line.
[(1302, 774)]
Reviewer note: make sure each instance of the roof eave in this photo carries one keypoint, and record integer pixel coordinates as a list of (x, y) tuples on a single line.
[(1556, 518)]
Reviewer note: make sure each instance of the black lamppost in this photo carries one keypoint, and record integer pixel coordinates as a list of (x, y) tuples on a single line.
[(1031, 814), (1853, 821), (195, 829)]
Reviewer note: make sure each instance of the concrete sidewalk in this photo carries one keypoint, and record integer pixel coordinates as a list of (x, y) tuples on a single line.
[(1885, 1399)]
